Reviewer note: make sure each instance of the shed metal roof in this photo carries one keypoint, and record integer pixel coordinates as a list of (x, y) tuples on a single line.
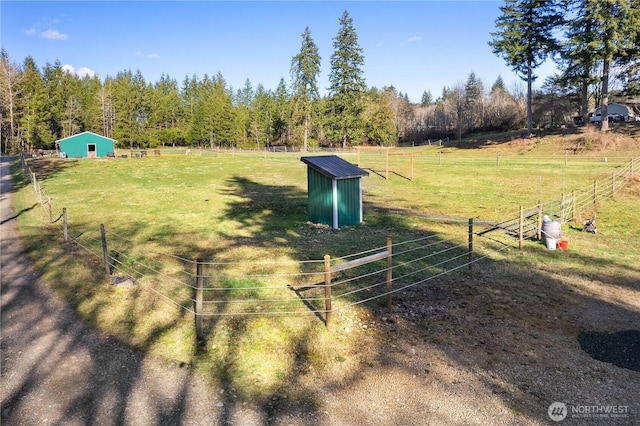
[(334, 167)]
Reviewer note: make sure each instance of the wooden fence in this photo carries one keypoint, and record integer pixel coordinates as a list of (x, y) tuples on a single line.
[(442, 256)]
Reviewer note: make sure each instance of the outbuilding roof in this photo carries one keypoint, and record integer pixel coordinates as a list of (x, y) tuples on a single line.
[(334, 167), (84, 133)]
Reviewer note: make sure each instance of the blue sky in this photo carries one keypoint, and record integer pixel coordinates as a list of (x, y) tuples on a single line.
[(414, 45)]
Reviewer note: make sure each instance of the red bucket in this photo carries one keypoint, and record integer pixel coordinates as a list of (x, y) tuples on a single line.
[(563, 244)]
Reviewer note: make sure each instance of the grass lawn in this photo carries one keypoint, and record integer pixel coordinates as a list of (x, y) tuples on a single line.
[(252, 207)]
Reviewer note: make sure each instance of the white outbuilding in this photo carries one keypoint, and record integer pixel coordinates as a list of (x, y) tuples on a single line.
[(615, 111)]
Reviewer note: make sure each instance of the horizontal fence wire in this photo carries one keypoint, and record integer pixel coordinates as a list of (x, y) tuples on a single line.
[(280, 286)]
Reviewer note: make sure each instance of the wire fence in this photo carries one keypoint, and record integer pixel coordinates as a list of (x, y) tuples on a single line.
[(318, 286)]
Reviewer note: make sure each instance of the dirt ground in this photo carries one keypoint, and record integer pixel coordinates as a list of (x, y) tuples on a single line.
[(447, 354)]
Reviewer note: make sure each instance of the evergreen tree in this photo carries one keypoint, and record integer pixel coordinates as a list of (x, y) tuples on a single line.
[(246, 94), (347, 86), (262, 113), (498, 84), (577, 58), (220, 114), (243, 104), (445, 93), (427, 98), (305, 68), (631, 67), (59, 97), (188, 95), (34, 108), (617, 23), (525, 39), (90, 118), (131, 109), (196, 98), (282, 113), (474, 101), (455, 106), (380, 127), (165, 115)]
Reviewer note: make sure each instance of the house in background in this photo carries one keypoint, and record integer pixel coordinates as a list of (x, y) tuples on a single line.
[(86, 145), (615, 111)]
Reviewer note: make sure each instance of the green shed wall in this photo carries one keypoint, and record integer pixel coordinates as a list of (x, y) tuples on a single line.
[(349, 202), (320, 197), (320, 189), (76, 146)]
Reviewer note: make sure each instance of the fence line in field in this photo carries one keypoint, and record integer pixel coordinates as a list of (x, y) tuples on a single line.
[(279, 287)]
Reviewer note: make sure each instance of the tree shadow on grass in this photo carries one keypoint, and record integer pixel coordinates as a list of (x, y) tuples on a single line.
[(44, 168), (503, 327), (500, 315)]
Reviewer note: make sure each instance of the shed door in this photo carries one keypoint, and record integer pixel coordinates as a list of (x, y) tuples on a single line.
[(91, 150)]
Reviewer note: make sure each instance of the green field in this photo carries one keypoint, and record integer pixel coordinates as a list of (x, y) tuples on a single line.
[(244, 208)]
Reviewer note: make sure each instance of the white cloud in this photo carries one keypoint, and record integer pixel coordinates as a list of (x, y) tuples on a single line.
[(80, 72), (147, 55), (30, 31), (84, 71), (414, 38), (54, 35)]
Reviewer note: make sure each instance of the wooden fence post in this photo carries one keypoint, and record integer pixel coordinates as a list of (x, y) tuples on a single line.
[(105, 252), (327, 289), (539, 222), (573, 204), (470, 243), (50, 209), (65, 230), (562, 206), (411, 166), (389, 272), (387, 164), (36, 187), (521, 228), (198, 307)]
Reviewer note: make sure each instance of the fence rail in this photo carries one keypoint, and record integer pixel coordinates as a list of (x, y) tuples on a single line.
[(322, 286)]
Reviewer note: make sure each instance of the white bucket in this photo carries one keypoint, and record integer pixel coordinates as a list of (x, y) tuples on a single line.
[(551, 243)]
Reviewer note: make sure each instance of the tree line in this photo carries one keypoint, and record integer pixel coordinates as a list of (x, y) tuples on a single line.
[(39, 106)]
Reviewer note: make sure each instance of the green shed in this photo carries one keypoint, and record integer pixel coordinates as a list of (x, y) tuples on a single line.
[(86, 145), (335, 190)]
